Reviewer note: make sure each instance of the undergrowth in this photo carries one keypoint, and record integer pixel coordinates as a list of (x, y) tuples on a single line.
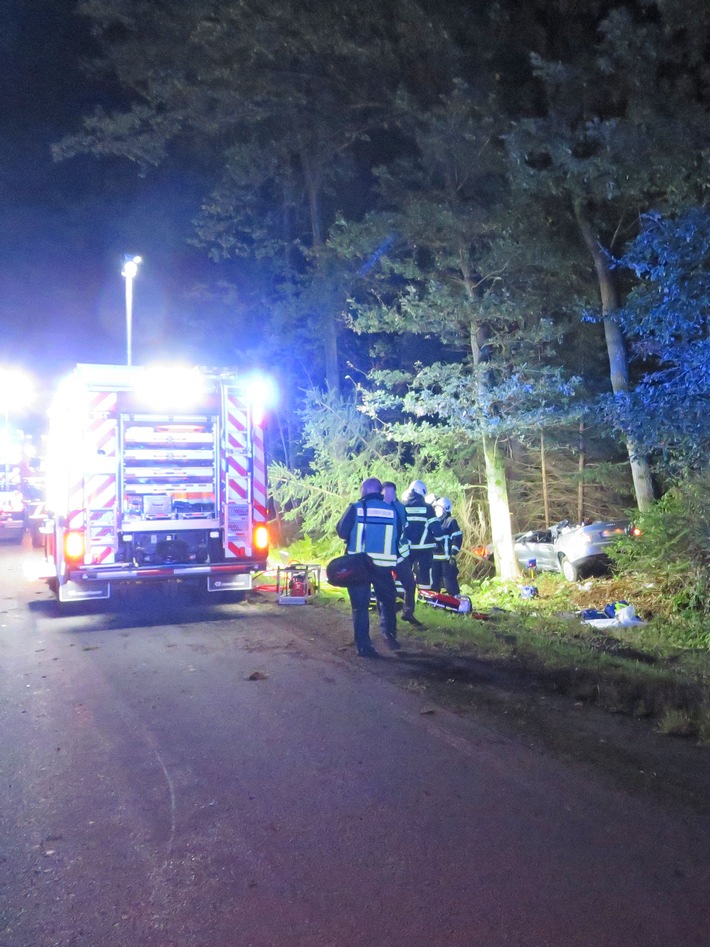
[(659, 669)]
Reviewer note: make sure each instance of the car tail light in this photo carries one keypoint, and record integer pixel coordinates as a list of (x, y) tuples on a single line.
[(74, 545), (635, 531), (261, 538)]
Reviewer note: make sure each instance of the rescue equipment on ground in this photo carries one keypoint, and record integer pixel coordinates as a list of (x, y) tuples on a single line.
[(614, 615), (297, 583), (451, 603)]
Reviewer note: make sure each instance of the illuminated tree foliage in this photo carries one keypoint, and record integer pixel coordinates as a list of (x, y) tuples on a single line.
[(273, 97), (447, 266), (667, 319)]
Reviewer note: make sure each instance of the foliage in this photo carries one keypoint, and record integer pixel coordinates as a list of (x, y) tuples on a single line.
[(673, 550), (621, 128), (341, 453), (343, 447), (441, 184), (271, 100), (666, 316), (445, 264)]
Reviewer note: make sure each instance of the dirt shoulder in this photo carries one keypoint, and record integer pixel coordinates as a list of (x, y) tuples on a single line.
[(522, 704)]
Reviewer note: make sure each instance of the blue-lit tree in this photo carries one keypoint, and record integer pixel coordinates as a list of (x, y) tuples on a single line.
[(667, 320), (620, 126)]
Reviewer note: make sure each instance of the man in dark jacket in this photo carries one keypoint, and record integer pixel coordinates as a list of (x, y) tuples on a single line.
[(423, 531), (372, 526), (446, 568), (403, 569)]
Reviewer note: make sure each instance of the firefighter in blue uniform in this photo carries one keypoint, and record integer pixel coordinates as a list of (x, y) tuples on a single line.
[(423, 531), (370, 525), (445, 567), (403, 569)]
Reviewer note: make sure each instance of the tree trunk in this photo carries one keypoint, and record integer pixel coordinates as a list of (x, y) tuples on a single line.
[(580, 468), (497, 488), (543, 470), (618, 364), (496, 482), (327, 316)]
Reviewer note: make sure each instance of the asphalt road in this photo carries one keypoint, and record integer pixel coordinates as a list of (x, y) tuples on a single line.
[(177, 775)]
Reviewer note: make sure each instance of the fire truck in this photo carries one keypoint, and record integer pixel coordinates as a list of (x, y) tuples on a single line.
[(155, 474)]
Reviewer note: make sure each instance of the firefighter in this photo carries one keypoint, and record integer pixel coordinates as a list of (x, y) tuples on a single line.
[(423, 531), (445, 568), (372, 526), (403, 569)]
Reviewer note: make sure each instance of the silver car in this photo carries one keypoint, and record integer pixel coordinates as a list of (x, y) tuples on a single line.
[(574, 551)]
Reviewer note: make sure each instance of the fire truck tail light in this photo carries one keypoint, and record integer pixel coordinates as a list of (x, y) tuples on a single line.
[(74, 545), (261, 538)]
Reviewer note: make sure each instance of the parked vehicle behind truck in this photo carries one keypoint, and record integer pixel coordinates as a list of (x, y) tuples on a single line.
[(13, 504), (155, 475)]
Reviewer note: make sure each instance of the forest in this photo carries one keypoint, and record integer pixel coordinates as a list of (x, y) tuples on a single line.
[(473, 239)]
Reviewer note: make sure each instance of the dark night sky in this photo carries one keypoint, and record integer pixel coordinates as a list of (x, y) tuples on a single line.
[(65, 227)]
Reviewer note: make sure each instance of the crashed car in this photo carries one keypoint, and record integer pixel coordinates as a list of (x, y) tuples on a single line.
[(575, 551)]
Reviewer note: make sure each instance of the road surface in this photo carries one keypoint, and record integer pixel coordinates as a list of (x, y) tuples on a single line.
[(178, 775)]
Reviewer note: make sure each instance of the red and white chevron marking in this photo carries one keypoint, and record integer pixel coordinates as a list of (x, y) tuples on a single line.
[(236, 476), (259, 477), (237, 440), (102, 402), (102, 551), (97, 492)]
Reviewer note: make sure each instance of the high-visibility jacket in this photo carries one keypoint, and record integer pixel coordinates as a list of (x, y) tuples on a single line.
[(450, 543), (403, 545), (370, 525), (423, 526)]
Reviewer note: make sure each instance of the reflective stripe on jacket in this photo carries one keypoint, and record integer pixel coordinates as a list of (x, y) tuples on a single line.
[(450, 543), (403, 545), (375, 531), (423, 527)]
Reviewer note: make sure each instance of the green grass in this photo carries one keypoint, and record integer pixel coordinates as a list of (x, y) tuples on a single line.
[(659, 670)]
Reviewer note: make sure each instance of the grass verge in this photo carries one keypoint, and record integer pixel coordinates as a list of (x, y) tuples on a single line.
[(646, 670)]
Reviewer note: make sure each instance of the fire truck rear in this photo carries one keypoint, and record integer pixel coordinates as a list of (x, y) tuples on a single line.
[(155, 475)]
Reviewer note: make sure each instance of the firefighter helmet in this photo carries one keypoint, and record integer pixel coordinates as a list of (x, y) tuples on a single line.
[(442, 506), (417, 486)]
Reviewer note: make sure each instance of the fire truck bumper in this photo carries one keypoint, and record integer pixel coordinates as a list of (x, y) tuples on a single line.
[(94, 582)]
